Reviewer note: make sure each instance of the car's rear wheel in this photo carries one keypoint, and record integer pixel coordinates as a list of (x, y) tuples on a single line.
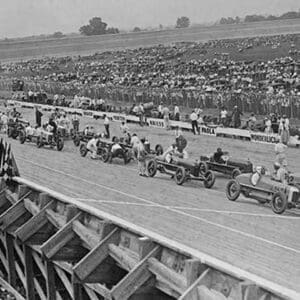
[(151, 167), (22, 136), (209, 179), (233, 190), (180, 175), (203, 167), (83, 150), (279, 203), (235, 173), (105, 155)]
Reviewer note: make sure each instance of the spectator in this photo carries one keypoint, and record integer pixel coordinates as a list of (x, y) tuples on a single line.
[(106, 126), (194, 119), (176, 113), (166, 115)]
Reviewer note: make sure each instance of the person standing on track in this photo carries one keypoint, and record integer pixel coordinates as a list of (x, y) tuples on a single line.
[(38, 116), (106, 126), (141, 157), (194, 119)]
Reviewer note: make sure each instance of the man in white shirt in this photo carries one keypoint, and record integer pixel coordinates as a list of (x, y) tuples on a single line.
[(223, 116), (134, 142), (92, 146), (194, 119), (176, 113), (280, 150)]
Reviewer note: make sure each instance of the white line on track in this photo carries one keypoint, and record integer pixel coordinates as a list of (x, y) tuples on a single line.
[(229, 212), (248, 235)]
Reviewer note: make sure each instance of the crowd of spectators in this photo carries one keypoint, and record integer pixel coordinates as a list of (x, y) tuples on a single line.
[(186, 74)]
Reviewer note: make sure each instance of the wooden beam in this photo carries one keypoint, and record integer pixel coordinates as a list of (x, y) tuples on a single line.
[(56, 219), (191, 293), (101, 290), (91, 294), (77, 289), (64, 279), (11, 289), (12, 215), (170, 277), (145, 246), (20, 275), (192, 267), (43, 200), (11, 197), (72, 211), (90, 262), (89, 236), (10, 256), (34, 224), (29, 274), (4, 261), (59, 240), (31, 206), (23, 190), (50, 280), (39, 263), (135, 278)]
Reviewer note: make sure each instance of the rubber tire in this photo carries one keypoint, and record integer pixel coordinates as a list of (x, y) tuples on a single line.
[(228, 187), (283, 198), (151, 167), (105, 155), (209, 183), (236, 172), (159, 150), (83, 150), (39, 142), (203, 168), (22, 136), (76, 141), (60, 144), (180, 175)]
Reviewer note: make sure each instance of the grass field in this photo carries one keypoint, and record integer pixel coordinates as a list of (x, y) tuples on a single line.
[(20, 50)]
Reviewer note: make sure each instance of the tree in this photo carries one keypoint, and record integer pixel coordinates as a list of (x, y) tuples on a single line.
[(183, 22), (137, 29), (112, 30), (95, 27), (58, 34)]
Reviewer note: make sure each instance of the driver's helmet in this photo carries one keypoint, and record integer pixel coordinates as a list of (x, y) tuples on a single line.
[(261, 170), (276, 166)]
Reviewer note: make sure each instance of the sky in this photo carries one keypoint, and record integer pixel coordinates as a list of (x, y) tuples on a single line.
[(33, 17)]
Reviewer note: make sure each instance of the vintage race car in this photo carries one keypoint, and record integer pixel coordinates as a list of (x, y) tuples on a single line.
[(105, 154), (81, 137), (15, 126), (181, 170), (232, 167), (265, 189), (41, 138)]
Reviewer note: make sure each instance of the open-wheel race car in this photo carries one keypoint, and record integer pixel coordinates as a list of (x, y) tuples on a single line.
[(81, 136), (15, 126), (181, 170), (51, 140), (226, 165), (265, 189), (105, 153)]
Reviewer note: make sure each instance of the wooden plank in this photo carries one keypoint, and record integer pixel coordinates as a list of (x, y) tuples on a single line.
[(11, 197), (20, 274), (77, 289), (11, 289), (60, 239), (192, 267), (39, 289), (34, 224), (90, 262), (4, 261), (50, 280), (19, 251), (168, 276), (145, 246), (90, 237), (100, 289), (10, 257), (67, 267), (31, 206), (39, 263), (12, 214), (191, 292), (43, 200), (56, 219), (23, 190), (64, 279), (29, 274), (91, 294), (135, 278)]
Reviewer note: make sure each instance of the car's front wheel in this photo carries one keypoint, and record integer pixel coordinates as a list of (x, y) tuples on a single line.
[(279, 203), (233, 190), (209, 179), (151, 167)]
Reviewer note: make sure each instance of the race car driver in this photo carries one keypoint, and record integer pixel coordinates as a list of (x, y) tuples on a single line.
[(217, 157), (116, 150), (280, 172)]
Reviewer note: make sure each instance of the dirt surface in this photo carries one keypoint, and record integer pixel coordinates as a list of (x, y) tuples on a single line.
[(242, 233), (18, 50)]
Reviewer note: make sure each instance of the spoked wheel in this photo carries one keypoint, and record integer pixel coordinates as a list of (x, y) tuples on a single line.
[(180, 175), (76, 140), (279, 203), (83, 150), (105, 155), (22, 136), (151, 167), (203, 167), (209, 179), (159, 149), (235, 173), (60, 144), (233, 190), (39, 142)]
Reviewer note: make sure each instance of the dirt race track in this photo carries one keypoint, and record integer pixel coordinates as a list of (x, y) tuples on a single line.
[(243, 233)]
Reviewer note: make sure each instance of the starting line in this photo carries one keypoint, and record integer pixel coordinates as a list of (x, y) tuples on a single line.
[(177, 211)]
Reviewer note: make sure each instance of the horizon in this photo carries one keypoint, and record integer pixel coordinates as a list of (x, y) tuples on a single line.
[(20, 19)]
